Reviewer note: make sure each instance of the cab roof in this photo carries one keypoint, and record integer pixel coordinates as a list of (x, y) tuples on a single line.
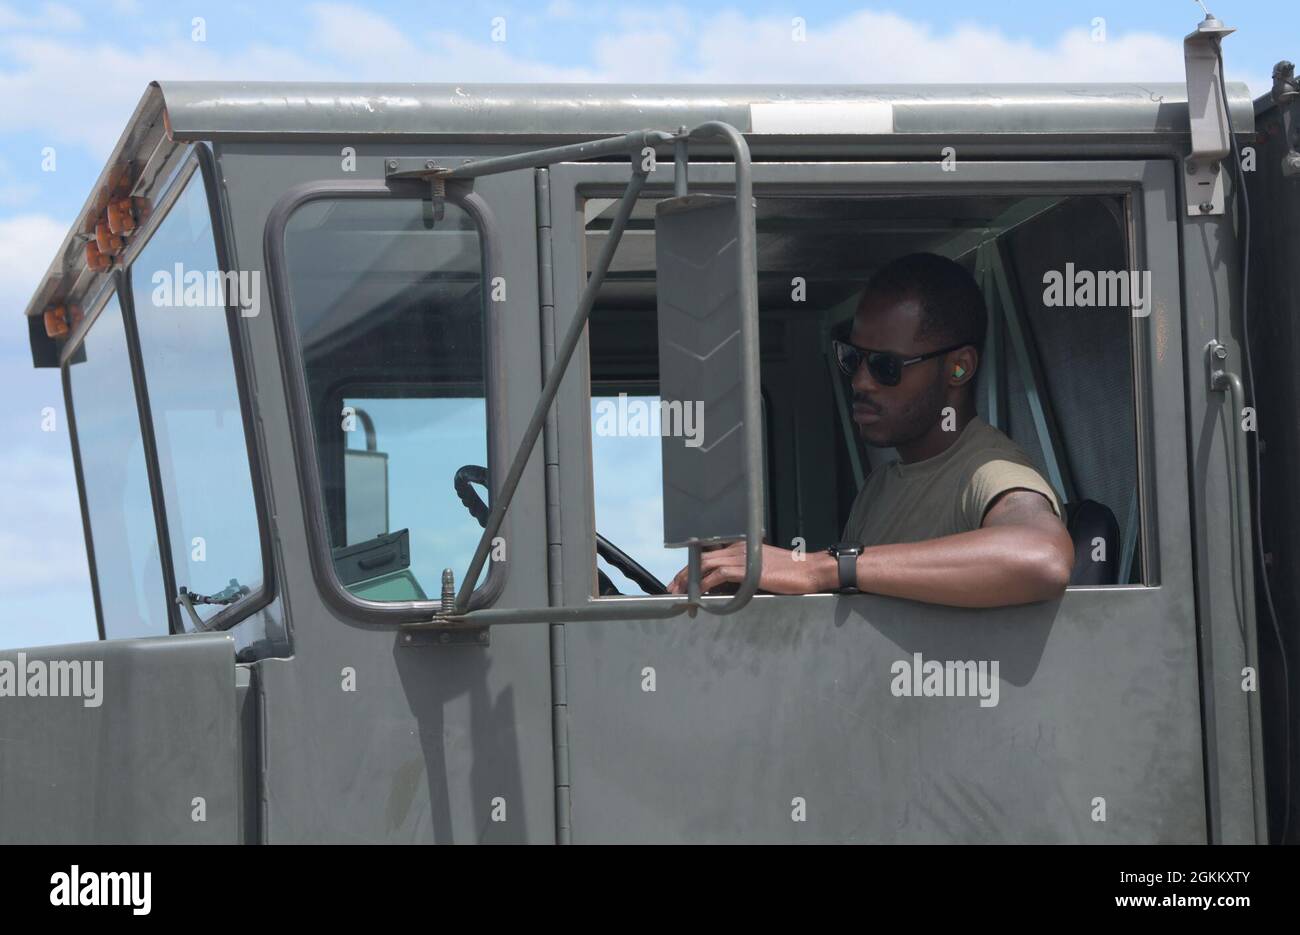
[(240, 110), (173, 114)]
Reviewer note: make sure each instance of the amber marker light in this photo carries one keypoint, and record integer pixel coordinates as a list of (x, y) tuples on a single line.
[(95, 260), (121, 216), (108, 242), (56, 322)]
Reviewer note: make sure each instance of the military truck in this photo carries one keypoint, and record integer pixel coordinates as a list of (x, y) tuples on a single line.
[(393, 408)]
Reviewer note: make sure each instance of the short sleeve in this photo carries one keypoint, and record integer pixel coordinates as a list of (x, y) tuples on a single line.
[(994, 478)]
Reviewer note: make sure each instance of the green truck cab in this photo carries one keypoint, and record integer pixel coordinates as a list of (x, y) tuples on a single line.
[(359, 379)]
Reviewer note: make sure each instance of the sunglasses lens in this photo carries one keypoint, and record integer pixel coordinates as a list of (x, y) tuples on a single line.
[(849, 358), (886, 368)]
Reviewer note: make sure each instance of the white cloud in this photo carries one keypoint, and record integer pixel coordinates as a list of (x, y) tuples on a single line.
[(353, 33), (872, 48), (363, 46), (51, 16), (27, 245)]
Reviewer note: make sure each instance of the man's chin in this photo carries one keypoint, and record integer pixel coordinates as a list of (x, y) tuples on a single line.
[(874, 436)]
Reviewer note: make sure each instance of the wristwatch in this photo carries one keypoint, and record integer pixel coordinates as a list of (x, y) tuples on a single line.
[(846, 557)]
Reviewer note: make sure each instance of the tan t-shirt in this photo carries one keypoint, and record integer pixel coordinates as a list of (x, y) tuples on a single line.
[(943, 495)]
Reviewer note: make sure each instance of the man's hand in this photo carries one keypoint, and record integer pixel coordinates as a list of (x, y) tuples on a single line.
[(783, 571)]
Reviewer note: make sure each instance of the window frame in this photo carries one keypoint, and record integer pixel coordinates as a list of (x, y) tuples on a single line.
[(1129, 180), (199, 160), (379, 614)]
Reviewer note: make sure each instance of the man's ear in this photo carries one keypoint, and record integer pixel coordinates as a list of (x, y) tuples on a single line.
[(964, 363)]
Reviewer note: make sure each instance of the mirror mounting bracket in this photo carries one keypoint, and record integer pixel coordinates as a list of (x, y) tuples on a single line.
[(428, 170)]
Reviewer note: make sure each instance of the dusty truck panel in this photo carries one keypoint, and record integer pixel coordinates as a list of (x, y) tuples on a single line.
[(126, 765), (418, 262)]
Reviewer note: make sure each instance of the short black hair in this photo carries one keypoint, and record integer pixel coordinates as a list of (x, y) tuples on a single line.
[(952, 305)]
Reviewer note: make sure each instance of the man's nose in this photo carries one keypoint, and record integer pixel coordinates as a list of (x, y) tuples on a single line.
[(863, 381)]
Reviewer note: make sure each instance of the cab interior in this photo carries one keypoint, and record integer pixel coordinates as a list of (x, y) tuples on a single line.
[(1059, 381)]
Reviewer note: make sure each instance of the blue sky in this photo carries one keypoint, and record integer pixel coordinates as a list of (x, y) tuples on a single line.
[(70, 75)]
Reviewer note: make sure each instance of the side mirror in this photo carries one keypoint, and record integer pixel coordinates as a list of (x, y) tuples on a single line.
[(698, 259)]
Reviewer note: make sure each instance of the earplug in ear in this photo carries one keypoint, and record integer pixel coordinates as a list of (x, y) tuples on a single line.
[(959, 372)]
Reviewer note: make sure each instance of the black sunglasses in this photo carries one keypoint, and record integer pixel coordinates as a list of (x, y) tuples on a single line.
[(885, 366)]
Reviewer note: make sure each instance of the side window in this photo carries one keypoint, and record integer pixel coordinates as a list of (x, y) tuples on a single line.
[(119, 510), (178, 298), (388, 308), (1055, 373)]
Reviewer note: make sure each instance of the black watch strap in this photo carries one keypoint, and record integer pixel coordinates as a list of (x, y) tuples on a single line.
[(846, 557)]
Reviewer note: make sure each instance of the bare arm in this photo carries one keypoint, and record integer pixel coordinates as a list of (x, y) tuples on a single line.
[(1021, 554)]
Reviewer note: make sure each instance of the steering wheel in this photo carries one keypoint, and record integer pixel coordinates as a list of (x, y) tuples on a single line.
[(472, 474)]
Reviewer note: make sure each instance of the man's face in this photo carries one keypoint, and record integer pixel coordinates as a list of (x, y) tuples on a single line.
[(889, 416)]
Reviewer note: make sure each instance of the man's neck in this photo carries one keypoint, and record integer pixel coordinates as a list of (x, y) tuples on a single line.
[(937, 440)]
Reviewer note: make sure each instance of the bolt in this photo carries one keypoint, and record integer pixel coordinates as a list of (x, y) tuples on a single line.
[(482, 637), (1206, 207), (1191, 168), (392, 163), (1221, 352), (430, 164), (448, 591)]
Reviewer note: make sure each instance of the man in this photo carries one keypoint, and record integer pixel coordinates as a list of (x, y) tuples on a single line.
[(961, 518)]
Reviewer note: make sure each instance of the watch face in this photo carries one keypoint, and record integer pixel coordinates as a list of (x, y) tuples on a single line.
[(846, 548)]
